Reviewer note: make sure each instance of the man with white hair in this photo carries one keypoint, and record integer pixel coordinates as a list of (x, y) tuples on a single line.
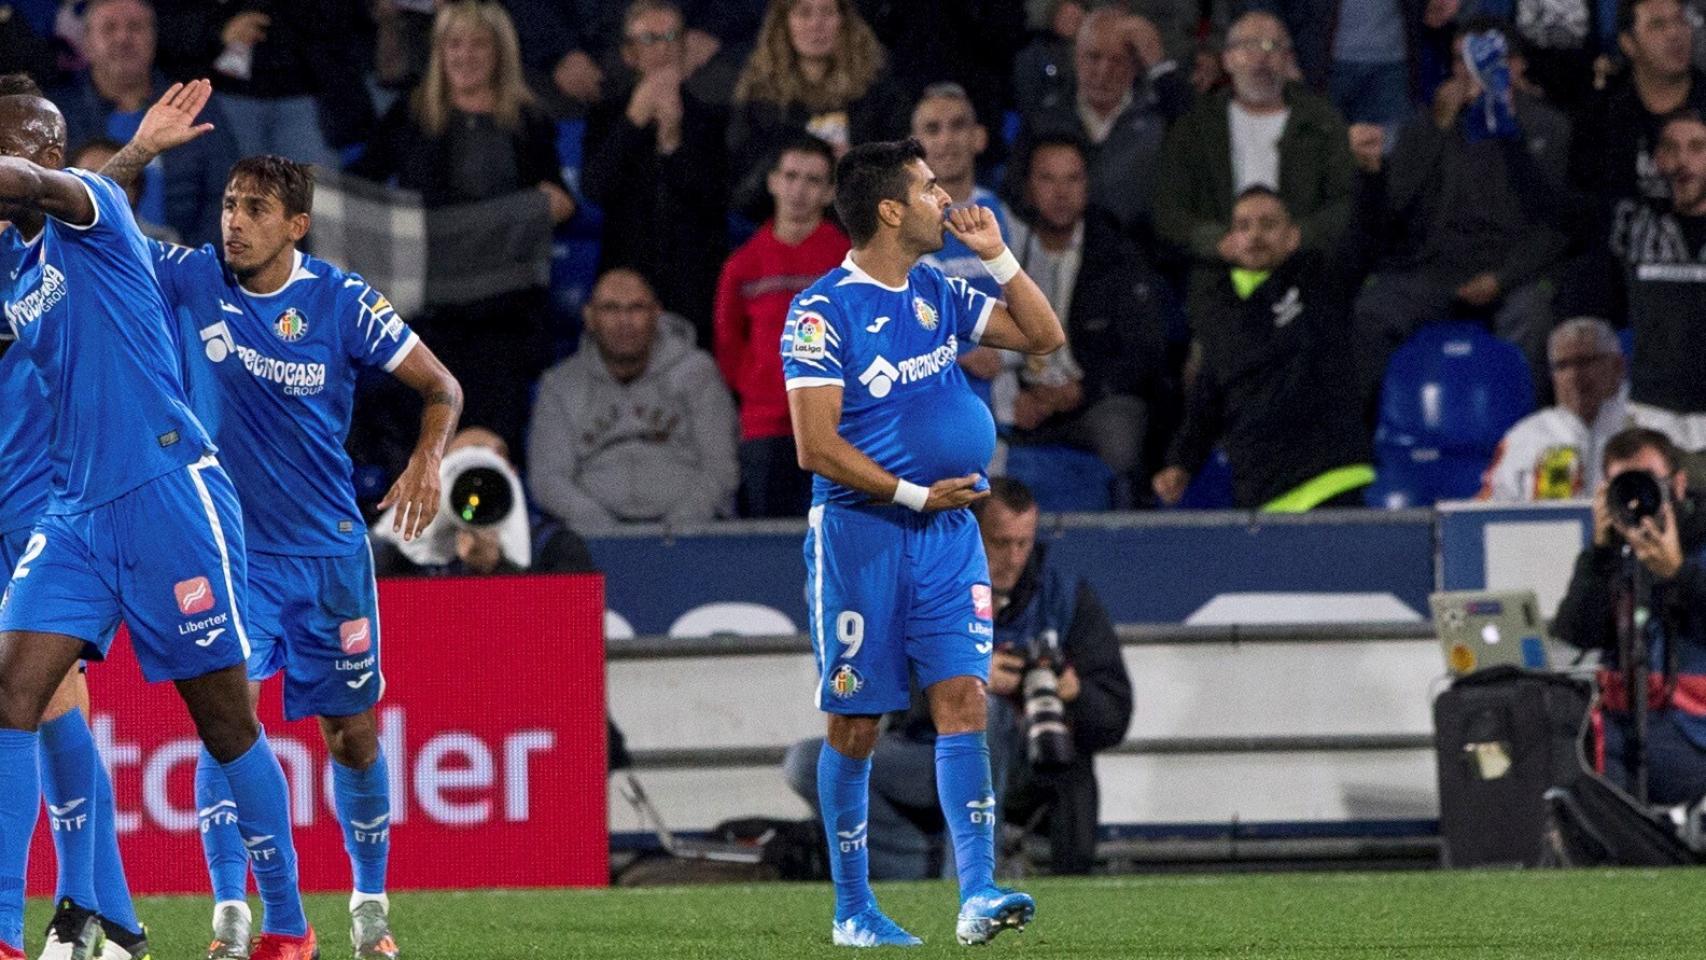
[(1267, 130), (1125, 91), (1556, 453)]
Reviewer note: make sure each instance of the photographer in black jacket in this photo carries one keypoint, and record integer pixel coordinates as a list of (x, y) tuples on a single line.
[(1031, 599), (1671, 547)]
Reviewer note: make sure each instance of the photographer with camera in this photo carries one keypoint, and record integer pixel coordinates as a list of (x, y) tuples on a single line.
[(1647, 564), (484, 527), (1058, 694)]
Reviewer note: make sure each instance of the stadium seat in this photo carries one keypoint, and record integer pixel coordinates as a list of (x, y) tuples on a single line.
[(1211, 488), (739, 619), (1626, 338), (1063, 479), (617, 627), (1449, 395)]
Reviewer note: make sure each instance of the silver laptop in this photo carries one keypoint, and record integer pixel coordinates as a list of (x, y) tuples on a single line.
[(1478, 629)]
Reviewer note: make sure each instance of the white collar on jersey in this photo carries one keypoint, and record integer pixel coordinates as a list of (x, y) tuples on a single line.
[(297, 272), (856, 275)]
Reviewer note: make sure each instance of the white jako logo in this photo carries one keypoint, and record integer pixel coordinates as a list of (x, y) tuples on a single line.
[(879, 377)]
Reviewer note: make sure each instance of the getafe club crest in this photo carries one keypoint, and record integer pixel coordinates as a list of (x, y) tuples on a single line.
[(290, 325), (926, 313), (846, 681)]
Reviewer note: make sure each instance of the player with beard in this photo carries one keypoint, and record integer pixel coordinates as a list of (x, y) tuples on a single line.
[(898, 581), (141, 522)]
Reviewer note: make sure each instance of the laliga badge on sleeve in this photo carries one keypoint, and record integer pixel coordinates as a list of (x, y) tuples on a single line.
[(811, 337)]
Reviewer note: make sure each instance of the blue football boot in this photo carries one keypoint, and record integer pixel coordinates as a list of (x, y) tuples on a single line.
[(990, 911)]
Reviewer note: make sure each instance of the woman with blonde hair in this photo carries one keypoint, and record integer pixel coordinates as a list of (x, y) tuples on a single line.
[(816, 68), (471, 132)]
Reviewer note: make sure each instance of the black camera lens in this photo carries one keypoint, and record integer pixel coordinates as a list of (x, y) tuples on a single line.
[(1633, 496), (481, 496)]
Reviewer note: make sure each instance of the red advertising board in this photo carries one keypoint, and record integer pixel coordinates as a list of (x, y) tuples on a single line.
[(492, 723)]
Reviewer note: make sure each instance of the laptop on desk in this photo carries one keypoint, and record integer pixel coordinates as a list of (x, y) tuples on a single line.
[(1478, 629)]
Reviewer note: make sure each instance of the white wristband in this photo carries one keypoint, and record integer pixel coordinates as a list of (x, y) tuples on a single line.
[(911, 495), (1003, 268)]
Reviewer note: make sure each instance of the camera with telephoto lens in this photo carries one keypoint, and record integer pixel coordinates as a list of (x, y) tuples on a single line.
[(477, 488), (1633, 496), (1048, 737)]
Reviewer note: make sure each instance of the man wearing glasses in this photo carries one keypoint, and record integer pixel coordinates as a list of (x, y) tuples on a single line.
[(637, 426), (1267, 130), (656, 166), (1554, 454)]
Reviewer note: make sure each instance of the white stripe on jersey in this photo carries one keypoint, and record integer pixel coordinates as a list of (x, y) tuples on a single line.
[(814, 521)]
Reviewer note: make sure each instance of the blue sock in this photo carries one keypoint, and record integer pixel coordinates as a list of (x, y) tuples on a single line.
[(843, 798), (221, 843), (263, 817), (968, 803), (111, 890), (66, 754), (19, 804), (363, 799)]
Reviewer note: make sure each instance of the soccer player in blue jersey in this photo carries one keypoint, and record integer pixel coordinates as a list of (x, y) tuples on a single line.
[(273, 341), (897, 579), (141, 522)]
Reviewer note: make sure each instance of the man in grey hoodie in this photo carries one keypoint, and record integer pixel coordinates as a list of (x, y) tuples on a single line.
[(637, 426)]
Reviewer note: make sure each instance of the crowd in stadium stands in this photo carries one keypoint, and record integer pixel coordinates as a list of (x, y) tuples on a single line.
[(1240, 209)]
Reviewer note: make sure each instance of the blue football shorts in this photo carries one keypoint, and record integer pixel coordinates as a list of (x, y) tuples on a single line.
[(166, 558), (894, 594), (317, 620)]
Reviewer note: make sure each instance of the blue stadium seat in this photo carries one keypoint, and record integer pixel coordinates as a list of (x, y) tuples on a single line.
[(1449, 395), (1063, 479), (1211, 488)]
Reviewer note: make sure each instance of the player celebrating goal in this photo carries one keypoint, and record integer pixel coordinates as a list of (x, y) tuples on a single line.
[(141, 522), (274, 339), (897, 575)]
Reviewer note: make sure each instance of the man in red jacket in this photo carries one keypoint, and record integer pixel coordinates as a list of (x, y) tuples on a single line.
[(787, 254)]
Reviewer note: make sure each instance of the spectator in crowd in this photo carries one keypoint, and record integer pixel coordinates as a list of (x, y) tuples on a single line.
[(518, 541), (817, 68), (93, 155), (1613, 155), (1031, 596), (402, 44), (1471, 224), (1672, 549), (290, 73), (471, 132), (1563, 39), (945, 121), (789, 253), (1265, 130), (181, 189), (565, 44), (1663, 279), (1274, 385), (655, 165), (1092, 392), (636, 429), (1555, 454), (1042, 72), (1124, 93), (1365, 54), (968, 42)]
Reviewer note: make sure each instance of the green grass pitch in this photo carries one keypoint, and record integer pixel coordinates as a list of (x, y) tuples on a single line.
[(1601, 915)]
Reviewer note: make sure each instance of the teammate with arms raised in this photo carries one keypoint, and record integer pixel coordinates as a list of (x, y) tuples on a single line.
[(897, 578), (141, 522), (274, 339)]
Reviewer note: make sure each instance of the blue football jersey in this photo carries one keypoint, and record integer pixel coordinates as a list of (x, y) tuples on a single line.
[(25, 473), (905, 402), (87, 313), (274, 377)]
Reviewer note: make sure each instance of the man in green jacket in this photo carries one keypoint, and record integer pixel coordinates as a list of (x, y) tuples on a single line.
[(1266, 130)]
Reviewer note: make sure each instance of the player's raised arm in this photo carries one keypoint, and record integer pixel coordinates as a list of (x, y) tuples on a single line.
[(169, 123), (416, 492), (816, 413), (53, 192), (1024, 321)]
